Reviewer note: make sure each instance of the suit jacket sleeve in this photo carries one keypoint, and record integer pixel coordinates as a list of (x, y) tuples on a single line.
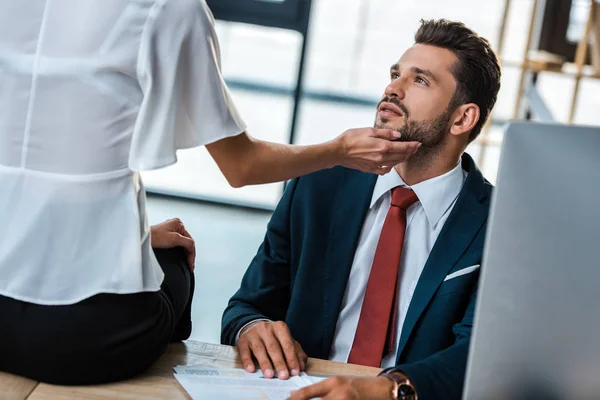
[(265, 288), (442, 375)]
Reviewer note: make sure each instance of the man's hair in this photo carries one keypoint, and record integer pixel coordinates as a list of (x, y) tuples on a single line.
[(477, 71)]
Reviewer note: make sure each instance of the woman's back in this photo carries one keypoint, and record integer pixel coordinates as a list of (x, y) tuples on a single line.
[(91, 91), (70, 93)]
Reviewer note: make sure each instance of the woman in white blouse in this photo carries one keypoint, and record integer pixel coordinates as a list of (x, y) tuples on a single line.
[(91, 92)]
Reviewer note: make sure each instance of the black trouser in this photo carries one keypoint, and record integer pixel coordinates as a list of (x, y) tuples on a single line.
[(105, 338)]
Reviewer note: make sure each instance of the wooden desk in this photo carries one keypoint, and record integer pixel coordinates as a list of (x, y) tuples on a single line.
[(14, 387), (158, 382)]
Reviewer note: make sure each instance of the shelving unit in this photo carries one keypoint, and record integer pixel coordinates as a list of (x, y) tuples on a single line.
[(538, 62)]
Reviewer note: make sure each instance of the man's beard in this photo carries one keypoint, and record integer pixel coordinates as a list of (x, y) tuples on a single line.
[(431, 133)]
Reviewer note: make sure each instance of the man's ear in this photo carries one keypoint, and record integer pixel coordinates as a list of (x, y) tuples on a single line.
[(465, 117)]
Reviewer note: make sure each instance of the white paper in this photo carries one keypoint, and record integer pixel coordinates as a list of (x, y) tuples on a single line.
[(230, 383)]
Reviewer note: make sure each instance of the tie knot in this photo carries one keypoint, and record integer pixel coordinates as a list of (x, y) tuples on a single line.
[(403, 197)]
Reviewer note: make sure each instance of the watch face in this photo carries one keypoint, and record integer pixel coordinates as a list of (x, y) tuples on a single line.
[(405, 390)]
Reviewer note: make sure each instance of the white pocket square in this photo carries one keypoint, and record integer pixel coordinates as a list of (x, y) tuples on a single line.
[(462, 272)]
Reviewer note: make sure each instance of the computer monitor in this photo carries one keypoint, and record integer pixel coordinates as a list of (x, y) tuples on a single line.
[(537, 322)]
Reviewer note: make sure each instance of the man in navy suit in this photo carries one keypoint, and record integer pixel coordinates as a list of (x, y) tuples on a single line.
[(383, 270)]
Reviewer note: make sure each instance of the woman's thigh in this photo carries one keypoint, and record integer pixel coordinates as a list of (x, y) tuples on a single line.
[(105, 338)]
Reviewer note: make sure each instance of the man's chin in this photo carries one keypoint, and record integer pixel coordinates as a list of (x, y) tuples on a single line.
[(386, 125), (381, 125)]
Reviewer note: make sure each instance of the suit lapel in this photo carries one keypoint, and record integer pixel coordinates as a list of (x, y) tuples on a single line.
[(350, 208), (466, 219)]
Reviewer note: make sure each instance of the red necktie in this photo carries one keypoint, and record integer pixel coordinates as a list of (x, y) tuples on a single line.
[(378, 314)]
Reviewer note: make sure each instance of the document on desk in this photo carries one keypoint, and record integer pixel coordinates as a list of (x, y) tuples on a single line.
[(234, 384)]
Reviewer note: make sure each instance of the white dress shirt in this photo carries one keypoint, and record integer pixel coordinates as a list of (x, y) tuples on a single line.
[(424, 221), (91, 92)]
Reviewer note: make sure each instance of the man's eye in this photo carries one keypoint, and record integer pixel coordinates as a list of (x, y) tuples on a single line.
[(421, 81), (395, 75)]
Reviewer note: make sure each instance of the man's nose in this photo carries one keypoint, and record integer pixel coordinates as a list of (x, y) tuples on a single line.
[(396, 88)]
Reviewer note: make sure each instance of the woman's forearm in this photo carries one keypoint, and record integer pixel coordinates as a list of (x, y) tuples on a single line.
[(244, 160), (274, 162)]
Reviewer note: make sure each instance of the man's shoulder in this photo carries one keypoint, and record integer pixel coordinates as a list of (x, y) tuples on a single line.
[(476, 182), (330, 178), (488, 187), (323, 186)]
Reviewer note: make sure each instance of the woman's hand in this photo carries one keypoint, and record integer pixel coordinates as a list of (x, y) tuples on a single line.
[(172, 233), (373, 150)]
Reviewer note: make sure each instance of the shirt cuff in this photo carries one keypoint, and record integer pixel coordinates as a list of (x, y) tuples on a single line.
[(253, 322)]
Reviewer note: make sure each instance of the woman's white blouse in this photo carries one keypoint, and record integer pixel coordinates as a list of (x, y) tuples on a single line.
[(91, 92)]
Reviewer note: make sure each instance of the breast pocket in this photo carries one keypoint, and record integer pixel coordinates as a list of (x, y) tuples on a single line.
[(459, 281)]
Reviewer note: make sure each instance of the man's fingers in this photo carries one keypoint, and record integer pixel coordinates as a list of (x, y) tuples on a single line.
[(302, 357), (284, 336), (260, 353), (246, 356), (276, 354), (320, 389)]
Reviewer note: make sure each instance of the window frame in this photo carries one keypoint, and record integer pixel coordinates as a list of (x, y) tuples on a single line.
[(553, 37), (287, 14)]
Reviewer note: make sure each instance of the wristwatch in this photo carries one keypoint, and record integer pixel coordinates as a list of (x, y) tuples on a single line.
[(403, 388)]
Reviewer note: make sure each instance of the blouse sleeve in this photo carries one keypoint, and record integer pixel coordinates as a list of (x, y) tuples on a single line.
[(185, 102)]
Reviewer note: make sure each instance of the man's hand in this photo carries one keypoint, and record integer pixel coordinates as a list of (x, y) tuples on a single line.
[(339, 388), (272, 345), (374, 150), (172, 233)]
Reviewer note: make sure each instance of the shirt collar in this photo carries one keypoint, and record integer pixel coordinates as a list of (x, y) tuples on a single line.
[(436, 195)]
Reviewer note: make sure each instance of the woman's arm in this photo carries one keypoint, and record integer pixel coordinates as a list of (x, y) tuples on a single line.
[(244, 160)]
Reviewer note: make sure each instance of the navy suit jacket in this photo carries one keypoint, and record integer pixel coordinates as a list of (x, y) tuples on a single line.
[(300, 272)]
